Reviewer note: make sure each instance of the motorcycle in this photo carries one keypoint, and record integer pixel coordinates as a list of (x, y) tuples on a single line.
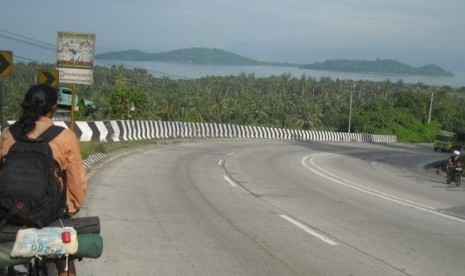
[(455, 174)]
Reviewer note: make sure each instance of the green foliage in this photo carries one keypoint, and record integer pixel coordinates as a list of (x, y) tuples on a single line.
[(278, 101), (412, 104), (80, 115), (377, 118), (128, 103)]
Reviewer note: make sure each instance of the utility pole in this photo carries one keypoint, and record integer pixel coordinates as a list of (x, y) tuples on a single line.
[(350, 106), (430, 107)]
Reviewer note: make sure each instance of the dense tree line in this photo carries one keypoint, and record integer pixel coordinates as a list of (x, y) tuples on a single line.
[(393, 108)]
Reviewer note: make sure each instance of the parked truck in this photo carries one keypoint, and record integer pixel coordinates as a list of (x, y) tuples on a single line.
[(449, 141), (64, 101)]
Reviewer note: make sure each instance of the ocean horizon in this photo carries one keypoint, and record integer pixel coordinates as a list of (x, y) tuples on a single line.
[(195, 71)]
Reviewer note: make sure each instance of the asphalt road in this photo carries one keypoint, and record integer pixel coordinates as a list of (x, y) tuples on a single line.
[(277, 208)]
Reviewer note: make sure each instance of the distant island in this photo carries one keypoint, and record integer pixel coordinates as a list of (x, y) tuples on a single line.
[(191, 55), (220, 57), (383, 66)]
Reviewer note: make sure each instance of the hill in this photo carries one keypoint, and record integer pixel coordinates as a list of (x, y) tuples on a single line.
[(191, 55), (220, 57), (383, 66)]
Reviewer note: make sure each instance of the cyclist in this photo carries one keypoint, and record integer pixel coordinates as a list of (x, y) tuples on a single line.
[(38, 107)]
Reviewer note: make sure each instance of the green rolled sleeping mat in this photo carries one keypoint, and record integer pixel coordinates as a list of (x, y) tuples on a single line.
[(90, 246), (83, 225)]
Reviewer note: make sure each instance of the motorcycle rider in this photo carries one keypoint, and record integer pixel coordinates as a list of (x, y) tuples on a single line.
[(452, 163)]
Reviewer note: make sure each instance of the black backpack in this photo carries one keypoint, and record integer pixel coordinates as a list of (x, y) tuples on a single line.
[(30, 192)]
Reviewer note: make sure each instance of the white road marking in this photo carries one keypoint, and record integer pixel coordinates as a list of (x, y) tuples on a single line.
[(308, 230), (293, 221), (399, 200), (230, 181)]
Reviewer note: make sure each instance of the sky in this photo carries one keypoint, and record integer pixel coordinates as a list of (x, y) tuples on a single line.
[(417, 32)]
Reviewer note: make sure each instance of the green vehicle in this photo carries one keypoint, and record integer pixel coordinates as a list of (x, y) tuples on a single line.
[(449, 141), (64, 101)]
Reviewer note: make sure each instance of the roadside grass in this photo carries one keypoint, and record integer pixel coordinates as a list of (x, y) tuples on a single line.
[(90, 148)]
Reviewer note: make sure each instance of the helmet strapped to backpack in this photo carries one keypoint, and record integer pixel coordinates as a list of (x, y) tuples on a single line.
[(30, 192)]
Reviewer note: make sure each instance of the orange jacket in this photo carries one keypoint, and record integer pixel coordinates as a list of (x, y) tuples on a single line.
[(66, 151)]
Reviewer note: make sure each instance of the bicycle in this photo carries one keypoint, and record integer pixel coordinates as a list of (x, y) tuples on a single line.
[(85, 231), (35, 267)]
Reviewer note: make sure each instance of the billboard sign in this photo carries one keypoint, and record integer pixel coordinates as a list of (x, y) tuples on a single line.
[(75, 54)]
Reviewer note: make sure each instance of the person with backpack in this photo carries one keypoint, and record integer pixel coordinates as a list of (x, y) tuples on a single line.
[(34, 125)]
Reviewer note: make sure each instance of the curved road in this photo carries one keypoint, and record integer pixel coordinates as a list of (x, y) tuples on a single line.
[(277, 208)]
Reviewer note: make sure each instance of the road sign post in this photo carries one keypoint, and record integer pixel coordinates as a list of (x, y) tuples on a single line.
[(49, 77), (6, 63), (6, 70), (73, 99)]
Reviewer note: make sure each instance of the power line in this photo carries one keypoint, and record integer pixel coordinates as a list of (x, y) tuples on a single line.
[(25, 58), (27, 40), (52, 48)]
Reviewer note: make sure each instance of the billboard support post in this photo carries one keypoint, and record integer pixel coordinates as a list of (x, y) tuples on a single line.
[(73, 99)]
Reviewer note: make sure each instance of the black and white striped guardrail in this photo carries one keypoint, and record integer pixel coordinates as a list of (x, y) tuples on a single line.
[(126, 130), (121, 130)]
